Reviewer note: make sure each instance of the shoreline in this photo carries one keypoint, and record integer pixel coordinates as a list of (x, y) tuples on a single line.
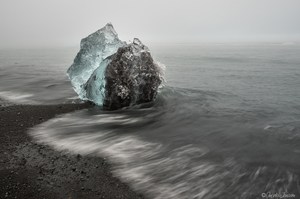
[(30, 170)]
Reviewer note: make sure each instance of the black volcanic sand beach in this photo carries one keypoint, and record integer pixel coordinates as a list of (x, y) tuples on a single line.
[(30, 170)]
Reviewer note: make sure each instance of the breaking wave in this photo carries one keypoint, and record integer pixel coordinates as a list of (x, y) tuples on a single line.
[(187, 144)]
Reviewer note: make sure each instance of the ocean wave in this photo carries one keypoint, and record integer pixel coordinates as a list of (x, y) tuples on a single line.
[(163, 169)]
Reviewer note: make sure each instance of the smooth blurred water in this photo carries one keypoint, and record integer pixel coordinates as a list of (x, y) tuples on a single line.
[(227, 124), (36, 76)]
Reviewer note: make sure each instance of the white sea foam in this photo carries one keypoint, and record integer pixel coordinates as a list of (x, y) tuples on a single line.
[(136, 161), (159, 171), (17, 97)]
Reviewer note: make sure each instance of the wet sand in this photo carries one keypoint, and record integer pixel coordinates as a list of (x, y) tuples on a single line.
[(30, 170)]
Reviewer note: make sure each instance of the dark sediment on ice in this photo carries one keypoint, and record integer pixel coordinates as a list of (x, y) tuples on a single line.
[(30, 170)]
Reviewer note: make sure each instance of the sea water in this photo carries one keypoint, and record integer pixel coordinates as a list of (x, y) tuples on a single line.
[(226, 125)]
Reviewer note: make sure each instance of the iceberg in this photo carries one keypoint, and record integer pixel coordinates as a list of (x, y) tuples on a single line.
[(93, 50), (114, 74)]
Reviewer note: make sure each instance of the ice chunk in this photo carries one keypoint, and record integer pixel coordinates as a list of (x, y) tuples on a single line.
[(114, 74), (131, 77), (93, 50)]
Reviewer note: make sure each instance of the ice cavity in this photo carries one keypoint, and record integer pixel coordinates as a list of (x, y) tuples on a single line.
[(114, 74), (93, 50)]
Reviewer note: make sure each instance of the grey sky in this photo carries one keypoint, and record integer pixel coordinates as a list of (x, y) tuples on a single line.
[(65, 22)]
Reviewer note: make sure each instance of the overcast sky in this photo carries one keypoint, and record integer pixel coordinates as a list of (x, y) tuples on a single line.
[(64, 22)]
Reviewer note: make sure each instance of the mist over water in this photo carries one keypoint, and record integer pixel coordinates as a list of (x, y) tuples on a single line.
[(227, 125)]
